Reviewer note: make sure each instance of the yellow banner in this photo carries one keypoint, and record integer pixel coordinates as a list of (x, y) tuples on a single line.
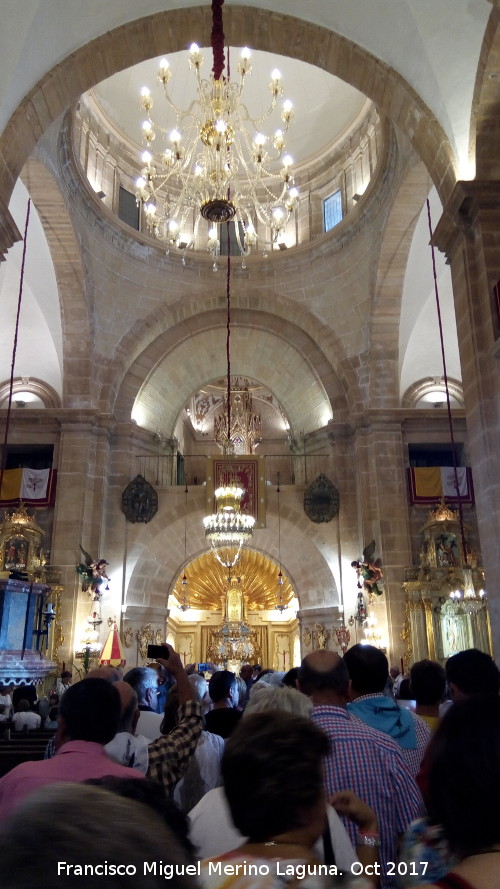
[(11, 484), (428, 481)]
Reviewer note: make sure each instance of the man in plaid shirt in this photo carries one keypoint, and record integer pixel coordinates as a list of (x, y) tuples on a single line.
[(169, 754), (361, 759), (368, 671)]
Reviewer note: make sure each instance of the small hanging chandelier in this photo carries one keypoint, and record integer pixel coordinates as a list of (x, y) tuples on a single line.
[(244, 432), (215, 163), (183, 598), (281, 605), (228, 530)]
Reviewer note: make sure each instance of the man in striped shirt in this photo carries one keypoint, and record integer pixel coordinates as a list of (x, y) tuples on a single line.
[(361, 759)]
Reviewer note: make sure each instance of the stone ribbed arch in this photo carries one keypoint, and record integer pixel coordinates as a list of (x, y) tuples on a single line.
[(157, 554), (66, 258), (314, 345), (263, 355), (173, 30), (391, 270), (486, 104)]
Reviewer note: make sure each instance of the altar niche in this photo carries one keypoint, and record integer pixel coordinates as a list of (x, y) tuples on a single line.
[(445, 598)]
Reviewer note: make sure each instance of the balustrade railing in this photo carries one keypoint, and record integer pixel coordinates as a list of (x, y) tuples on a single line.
[(175, 469)]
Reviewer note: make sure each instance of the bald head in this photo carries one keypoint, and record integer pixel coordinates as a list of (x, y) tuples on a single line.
[(129, 708), (322, 660), (323, 675), (110, 674)]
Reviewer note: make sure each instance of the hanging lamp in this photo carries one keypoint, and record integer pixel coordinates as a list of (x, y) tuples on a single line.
[(228, 530), (184, 603), (281, 605), (471, 603)]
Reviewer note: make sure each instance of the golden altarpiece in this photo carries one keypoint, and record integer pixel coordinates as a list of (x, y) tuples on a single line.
[(233, 620), (30, 630), (445, 598)]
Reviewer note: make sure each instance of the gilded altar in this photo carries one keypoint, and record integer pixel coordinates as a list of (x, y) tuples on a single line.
[(446, 608)]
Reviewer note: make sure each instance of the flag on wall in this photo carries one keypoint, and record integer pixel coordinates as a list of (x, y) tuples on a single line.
[(428, 484), (36, 487)]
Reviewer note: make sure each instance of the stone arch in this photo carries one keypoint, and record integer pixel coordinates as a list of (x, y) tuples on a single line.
[(47, 394), (430, 385), (315, 347), (172, 30), (486, 103), (259, 354), (66, 258), (158, 553), (391, 270)]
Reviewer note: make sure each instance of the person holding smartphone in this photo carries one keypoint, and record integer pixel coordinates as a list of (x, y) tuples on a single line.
[(170, 754)]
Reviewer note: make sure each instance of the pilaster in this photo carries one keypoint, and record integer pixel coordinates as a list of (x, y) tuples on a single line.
[(469, 234)]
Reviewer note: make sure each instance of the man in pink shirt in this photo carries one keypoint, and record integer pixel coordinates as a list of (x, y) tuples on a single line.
[(88, 720)]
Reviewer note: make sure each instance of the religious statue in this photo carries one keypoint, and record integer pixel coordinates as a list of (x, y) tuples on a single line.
[(369, 572), (93, 573)]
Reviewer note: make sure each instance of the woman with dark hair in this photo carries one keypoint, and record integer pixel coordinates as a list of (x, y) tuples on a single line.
[(464, 792), (272, 769)]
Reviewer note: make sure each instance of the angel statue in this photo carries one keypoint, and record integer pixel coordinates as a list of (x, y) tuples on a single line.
[(92, 572), (369, 572)]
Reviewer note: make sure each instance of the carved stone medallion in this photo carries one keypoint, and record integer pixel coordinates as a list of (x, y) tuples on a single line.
[(139, 500), (321, 500)]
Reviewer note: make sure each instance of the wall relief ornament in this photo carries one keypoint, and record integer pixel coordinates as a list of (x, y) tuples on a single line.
[(139, 500), (145, 637), (321, 636), (306, 635), (128, 637), (321, 500)]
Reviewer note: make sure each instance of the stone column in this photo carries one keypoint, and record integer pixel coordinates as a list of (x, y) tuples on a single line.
[(79, 512), (383, 516), (469, 234)]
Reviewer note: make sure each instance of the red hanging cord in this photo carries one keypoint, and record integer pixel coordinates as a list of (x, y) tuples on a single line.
[(445, 377), (217, 41), (228, 335), (217, 38), (14, 348)]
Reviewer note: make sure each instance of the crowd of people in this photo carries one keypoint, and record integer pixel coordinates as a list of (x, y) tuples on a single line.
[(341, 772), (22, 710)]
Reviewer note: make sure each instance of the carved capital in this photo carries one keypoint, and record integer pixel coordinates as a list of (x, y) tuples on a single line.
[(468, 202), (9, 232)]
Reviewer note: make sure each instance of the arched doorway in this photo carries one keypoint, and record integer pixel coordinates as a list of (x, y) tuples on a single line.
[(203, 597)]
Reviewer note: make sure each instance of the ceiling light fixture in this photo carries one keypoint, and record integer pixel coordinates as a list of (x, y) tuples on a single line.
[(244, 432), (183, 598), (215, 163), (281, 605), (228, 530)]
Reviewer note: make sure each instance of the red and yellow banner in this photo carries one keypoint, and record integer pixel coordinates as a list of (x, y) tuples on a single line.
[(35, 487), (428, 484)]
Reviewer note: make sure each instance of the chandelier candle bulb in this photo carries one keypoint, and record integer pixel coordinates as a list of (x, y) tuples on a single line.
[(146, 100), (164, 73), (148, 132)]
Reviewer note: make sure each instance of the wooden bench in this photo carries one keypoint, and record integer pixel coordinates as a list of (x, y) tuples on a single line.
[(22, 747)]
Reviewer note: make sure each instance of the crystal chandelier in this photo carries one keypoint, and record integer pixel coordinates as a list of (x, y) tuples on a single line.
[(244, 432), (471, 603), (215, 163), (228, 530)]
